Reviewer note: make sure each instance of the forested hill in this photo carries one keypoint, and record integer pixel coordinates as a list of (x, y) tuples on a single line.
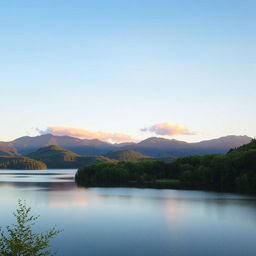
[(127, 155), (53, 152), (246, 147), (20, 163), (235, 171), (7, 150), (57, 157)]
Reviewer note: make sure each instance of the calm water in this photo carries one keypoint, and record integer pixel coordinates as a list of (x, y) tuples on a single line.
[(130, 221)]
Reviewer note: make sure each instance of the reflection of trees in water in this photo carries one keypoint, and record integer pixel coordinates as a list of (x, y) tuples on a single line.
[(50, 186)]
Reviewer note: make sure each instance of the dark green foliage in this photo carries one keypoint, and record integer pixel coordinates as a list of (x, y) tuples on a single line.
[(20, 163), (57, 157), (122, 173), (19, 238), (235, 171), (246, 147), (126, 155)]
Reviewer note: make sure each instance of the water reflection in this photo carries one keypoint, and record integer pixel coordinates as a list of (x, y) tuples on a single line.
[(131, 221)]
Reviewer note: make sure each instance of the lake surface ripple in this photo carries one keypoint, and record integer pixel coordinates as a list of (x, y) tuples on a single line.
[(131, 221)]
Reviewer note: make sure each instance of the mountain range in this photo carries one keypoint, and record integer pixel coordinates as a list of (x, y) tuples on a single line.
[(153, 146)]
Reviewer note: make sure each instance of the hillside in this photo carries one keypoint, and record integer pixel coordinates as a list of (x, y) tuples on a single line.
[(20, 163), (57, 157), (126, 155), (234, 171), (7, 150), (55, 152), (246, 147)]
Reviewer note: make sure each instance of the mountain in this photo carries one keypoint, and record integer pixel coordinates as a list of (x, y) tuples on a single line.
[(126, 155), (55, 152), (7, 150), (223, 143), (155, 142), (124, 144), (160, 147), (57, 157), (153, 147), (26, 144), (246, 147), (20, 163)]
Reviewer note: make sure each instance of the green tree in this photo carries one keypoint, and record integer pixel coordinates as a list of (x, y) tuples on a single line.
[(19, 238)]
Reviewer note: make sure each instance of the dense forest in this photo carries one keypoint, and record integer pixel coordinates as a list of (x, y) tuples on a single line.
[(235, 171), (20, 163)]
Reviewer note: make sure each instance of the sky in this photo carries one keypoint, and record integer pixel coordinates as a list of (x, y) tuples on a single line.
[(125, 70)]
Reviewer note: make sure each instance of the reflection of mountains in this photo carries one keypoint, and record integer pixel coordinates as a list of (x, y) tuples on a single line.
[(75, 198), (29, 173), (37, 178), (49, 186)]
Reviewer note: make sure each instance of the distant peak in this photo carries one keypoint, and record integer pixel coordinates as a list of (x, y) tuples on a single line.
[(161, 141), (46, 135), (155, 139)]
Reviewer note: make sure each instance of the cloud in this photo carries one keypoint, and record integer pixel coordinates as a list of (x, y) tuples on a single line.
[(83, 133), (169, 129)]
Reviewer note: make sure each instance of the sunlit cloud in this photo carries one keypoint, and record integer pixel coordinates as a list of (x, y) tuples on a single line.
[(169, 129), (84, 133)]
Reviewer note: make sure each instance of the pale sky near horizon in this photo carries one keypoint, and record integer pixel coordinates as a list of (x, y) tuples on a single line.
[(122, 66)]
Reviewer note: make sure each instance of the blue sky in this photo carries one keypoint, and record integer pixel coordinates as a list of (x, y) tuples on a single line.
[(121, 66)]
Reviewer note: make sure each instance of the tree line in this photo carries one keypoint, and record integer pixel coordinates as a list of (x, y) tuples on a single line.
[(235, 171), (20, 163)]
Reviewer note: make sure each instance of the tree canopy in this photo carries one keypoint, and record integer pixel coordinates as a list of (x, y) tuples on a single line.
[(235, 171), (21, 163)]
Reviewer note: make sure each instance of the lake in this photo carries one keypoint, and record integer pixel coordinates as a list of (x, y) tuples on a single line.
[(131, 221)]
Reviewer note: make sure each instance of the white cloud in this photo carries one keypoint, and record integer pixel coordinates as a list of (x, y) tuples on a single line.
[(169, 129), (84, 133)]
